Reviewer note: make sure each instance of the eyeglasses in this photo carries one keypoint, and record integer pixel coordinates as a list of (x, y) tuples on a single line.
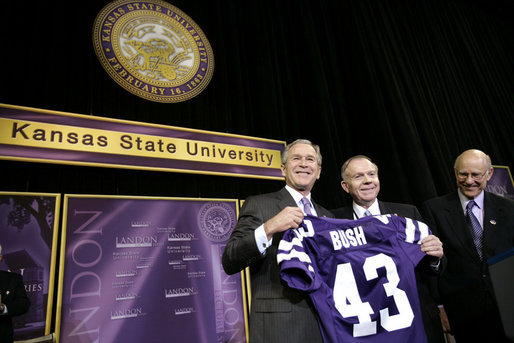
[(474, 176)]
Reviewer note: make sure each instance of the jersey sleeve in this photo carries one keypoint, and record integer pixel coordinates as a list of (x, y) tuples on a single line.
[(410, 234), (296, 267)]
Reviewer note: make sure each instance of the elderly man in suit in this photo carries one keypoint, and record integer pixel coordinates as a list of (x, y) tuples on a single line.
[(13, 302), (360, 180), (279, 314), (473, 225)]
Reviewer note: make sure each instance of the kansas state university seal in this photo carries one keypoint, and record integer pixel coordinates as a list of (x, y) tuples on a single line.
[(153, 50), (216, 221)]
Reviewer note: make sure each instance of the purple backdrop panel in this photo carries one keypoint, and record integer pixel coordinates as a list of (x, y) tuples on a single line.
[(148, 270), (501, 182), (28, 234)]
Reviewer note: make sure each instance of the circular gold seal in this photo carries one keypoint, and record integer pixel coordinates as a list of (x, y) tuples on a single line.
[(153, 50)]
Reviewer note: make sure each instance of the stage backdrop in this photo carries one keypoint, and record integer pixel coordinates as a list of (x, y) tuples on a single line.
[(28, 235), (137, 269), (501, 182)]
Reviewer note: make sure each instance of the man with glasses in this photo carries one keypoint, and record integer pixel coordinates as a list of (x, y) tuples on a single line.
[(474, 225)]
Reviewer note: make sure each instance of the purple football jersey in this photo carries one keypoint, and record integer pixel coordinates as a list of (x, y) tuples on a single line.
[(359, 275)]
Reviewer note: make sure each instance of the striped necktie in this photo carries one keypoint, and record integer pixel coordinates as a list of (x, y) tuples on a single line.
[(306, 205), (476, 228), (367, 213)]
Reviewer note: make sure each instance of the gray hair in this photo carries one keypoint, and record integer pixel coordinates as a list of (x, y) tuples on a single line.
[(356, 157), (301, 141)]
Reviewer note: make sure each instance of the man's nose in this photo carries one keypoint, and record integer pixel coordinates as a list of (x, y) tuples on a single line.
[(469, 179), (303, 162)]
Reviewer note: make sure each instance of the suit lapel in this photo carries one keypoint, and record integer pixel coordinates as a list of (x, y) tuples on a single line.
[(321, 211), (285, 199), (459, 226), (384, 208), (493, 213)]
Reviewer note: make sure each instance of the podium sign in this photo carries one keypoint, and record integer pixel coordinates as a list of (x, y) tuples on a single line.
[(501, 268)]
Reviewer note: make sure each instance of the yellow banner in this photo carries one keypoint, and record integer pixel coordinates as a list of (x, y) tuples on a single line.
[(38, 135), (64, 137)]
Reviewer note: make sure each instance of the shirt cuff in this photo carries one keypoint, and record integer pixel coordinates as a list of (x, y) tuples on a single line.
[(261, 239), (435, 266)]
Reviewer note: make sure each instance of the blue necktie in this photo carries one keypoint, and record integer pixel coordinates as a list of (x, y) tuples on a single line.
[(367, 213), (306, 205), (476, 229)]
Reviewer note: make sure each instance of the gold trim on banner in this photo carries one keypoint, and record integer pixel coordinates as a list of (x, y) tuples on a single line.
[(74, 138), (50, 136)]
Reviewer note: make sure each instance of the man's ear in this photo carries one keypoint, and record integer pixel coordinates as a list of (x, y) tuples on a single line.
[(490, 173), (345, 187)]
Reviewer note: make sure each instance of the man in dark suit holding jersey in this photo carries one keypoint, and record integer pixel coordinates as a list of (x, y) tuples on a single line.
[(474, 226), (278, 314), (13, 302), (360, 180)]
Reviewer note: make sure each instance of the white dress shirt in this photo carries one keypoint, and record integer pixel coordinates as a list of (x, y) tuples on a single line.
[(359, 211)]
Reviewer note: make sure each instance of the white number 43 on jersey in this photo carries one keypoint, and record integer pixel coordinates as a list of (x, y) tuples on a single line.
[(349, 303)]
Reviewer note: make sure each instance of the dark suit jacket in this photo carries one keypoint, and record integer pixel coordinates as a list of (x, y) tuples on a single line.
[(465, 286), (278, 313), (424, 278), (15, 298)]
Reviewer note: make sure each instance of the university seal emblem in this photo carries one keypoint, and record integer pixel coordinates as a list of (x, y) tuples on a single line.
[(216, 221), (153, 50)]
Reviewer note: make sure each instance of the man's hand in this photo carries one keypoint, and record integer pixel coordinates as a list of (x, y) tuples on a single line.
[(289, 217), (432, 246)]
